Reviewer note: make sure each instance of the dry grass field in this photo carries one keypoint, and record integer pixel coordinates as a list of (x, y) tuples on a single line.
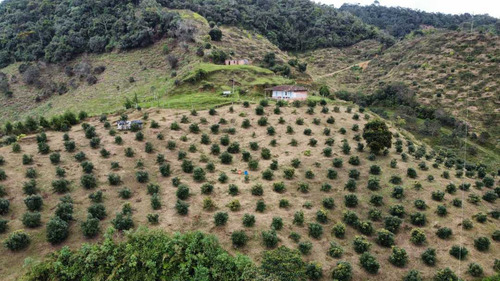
[(312, 172)]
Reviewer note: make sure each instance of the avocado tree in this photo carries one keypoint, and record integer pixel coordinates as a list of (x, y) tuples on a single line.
[(377, 135)]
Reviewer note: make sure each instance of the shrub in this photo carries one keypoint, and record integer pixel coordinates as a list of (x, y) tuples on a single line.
[(303, 187), (369, 263), (335, 250), (57, 230), (314, 271), (441, 210), (397, 192), (153, 218), (482, 244), (328, 203), (220, 218), (277, 223), (97, 211), (342, 271), (376, 200), (239, 239), (437, 195), (270, 238), (234, 205), (475, 270), (459, 252), (165, 170), (298, 218), (17, 241), (418, 236), (351, 200), (429, 256), (88, 181), (182, 192), (361, 245), (226, 158), (411, 173), (321, 216), (96, 197), (60, 185), (90, 227), (142, 176), (265, 153), (385, 238), (315, 230), (33, 202), (444, 232), (122, 221), (418, 219), (32, 219), (445, 275), (248, 220), (365, 227)]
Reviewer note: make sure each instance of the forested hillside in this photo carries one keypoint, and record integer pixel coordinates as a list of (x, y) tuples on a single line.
[(58, 30), (398, 21)]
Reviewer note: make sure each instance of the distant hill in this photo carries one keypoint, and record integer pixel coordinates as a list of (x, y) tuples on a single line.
[(398, 21)]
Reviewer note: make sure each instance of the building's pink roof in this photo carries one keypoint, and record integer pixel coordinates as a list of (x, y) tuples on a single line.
[(287, 88)]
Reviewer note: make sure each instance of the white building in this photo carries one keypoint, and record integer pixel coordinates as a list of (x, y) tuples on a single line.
[(288, 92)]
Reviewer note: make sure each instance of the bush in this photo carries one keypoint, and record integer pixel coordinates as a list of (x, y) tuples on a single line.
[(314, 271), (207, 188), (361, 245), (429, 256), (315, 230), (226, 158), (437, 195), (57, 230), (239, 239), (248, 220), (342, 271), (97, 211), (142, 176), (444, 232), (17, 241), (270, 239), (445, 275), (122, 221), (482, 244), (90, 227), (32, 219), (385, 238), (220, 218), (88, 181), (399, 257), (411, 173), (418, 219), (459, 252), (182, 207), (475, 270), (335, 250), (351, 200), (339, 230), (182, 192), (60, 185), (277, 223), (369, 263)]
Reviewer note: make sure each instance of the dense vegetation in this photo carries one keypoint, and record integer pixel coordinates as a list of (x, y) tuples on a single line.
[(399, 21), (58, 30), (154, 255), (290, 24), (151, 254)]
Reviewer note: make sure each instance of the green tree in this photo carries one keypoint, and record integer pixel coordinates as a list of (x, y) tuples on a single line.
[(377, 135)]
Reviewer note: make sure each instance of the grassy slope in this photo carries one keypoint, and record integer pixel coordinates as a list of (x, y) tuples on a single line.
[(199, 219), (151, 73)]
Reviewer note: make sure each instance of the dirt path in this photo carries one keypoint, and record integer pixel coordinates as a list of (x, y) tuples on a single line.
[(362, 64)]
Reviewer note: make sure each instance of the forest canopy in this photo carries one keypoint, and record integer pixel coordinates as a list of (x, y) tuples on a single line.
[(293, 25), (399, 21), (58, 30)]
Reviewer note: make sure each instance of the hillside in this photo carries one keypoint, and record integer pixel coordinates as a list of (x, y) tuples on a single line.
[(399, 21), (437, 71), (322, 191), (100, 83)]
